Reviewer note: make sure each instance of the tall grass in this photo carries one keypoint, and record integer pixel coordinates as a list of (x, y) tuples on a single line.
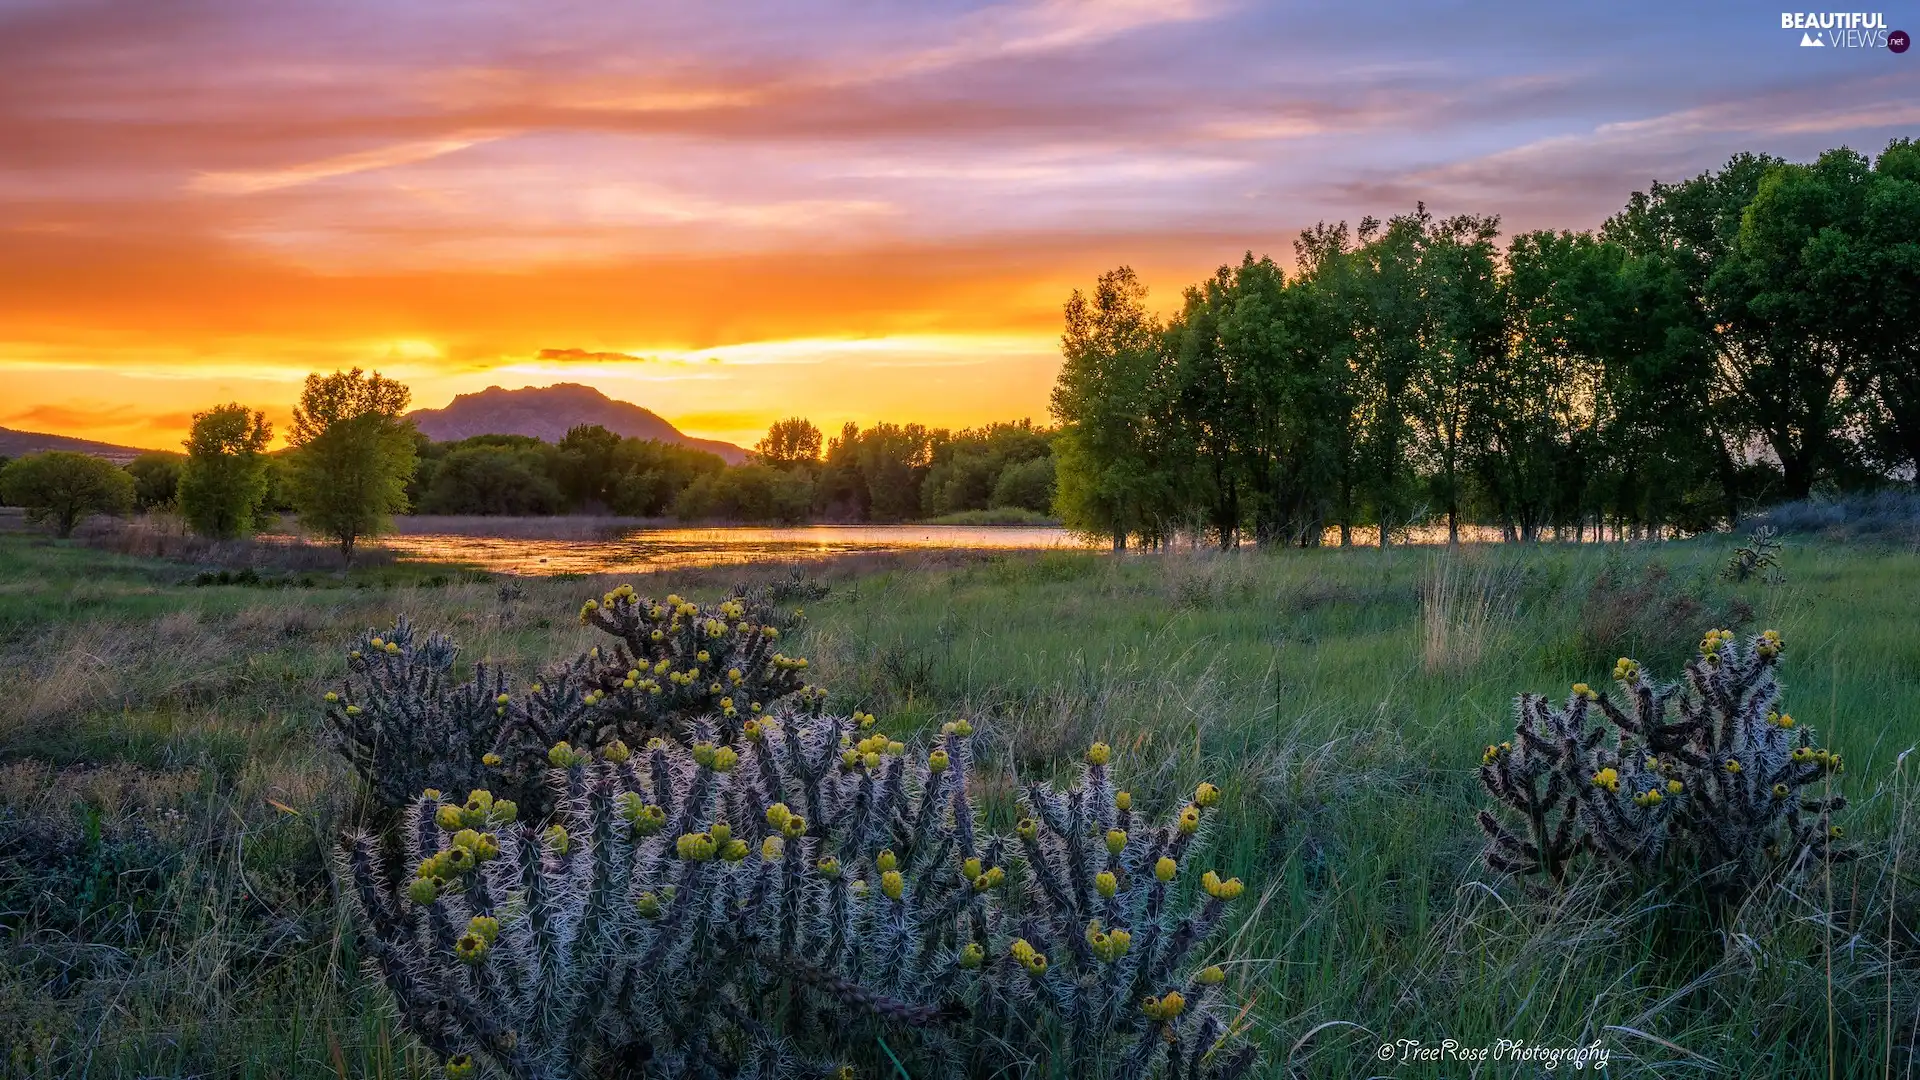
[(165, 816)]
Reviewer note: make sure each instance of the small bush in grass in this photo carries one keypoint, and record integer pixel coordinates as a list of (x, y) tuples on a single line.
[(1706, 778), (1760, 554), (788, 903)]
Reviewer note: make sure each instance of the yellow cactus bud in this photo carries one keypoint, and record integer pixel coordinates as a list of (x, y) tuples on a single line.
[(1230, 889), (449, 818), (615, 752), (1106, 884), (556, 838), (725, 758), (1026, 829), (1116, 841), (938, 761), (1608, 778), (471, 948), (828, 866), (459, 1067), (721, 832), (1099, 754), (695, 847), (1122, 800), (491, 760), (1210, 976), (886, 861), (486, 926), (796, 827), (1206, 795), (735, 850), (1675, 787), (422, 890), (892, 885), (648, 905), (1164, 1008), (1189, 822), (777, 815), (1165, 868), (772, 848), (332, 697), (972, 955), (503, 812)]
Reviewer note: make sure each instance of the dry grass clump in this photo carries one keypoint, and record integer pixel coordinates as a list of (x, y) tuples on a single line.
[(1466, 600)]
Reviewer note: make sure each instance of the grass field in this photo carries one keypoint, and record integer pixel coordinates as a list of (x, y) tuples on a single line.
[(165, 813)]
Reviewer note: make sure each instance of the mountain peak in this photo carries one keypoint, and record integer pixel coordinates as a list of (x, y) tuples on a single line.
[(546, 412)]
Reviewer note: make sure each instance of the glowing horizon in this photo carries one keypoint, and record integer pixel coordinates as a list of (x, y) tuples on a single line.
[(802, 208)]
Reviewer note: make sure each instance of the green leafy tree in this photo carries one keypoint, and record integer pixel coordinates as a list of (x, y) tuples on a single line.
[(156, 479), (1465, 335), (1025, 485), (1881, 275), (63, 489), (793, 441), (968, 467), (748, 493), (224, 480), (586, 466), (352, 455), (491, 480), (1392, 323), (1111, 400), (877, 474)]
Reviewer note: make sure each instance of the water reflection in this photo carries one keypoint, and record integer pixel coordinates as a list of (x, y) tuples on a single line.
[(637, 550)]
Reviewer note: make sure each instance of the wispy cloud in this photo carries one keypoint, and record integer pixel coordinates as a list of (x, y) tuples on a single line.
[(254, 181)]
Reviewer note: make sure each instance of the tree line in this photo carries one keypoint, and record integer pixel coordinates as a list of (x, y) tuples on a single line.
[(1742, 337), (883, 473), (343, 474), (353, 461)]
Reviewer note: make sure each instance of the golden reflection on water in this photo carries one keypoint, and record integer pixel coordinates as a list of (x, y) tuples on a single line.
[(640, 550)]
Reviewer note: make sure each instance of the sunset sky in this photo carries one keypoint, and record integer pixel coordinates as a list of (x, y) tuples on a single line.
[(734, 212)]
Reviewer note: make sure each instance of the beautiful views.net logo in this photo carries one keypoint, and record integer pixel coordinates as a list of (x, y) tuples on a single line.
[(1844, 30)]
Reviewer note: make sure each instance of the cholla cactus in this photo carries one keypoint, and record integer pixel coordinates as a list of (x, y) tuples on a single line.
[(769, 907), (674, 661), (763, 600), (405, 725), (1760, 552), (1704, 776)]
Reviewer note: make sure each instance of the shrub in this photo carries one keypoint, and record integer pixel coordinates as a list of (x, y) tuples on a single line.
[(156, 479), (1760, 552), (63, 489), (405, 722), (780, 905), (1705, 777)]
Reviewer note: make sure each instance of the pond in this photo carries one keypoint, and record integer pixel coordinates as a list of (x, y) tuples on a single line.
[(572, 546)]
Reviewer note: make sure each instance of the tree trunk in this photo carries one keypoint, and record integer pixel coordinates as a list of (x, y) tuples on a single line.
[(1119, 540)]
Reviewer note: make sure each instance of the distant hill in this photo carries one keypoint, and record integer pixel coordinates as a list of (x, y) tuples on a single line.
[(547, 412), (14, 444)]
